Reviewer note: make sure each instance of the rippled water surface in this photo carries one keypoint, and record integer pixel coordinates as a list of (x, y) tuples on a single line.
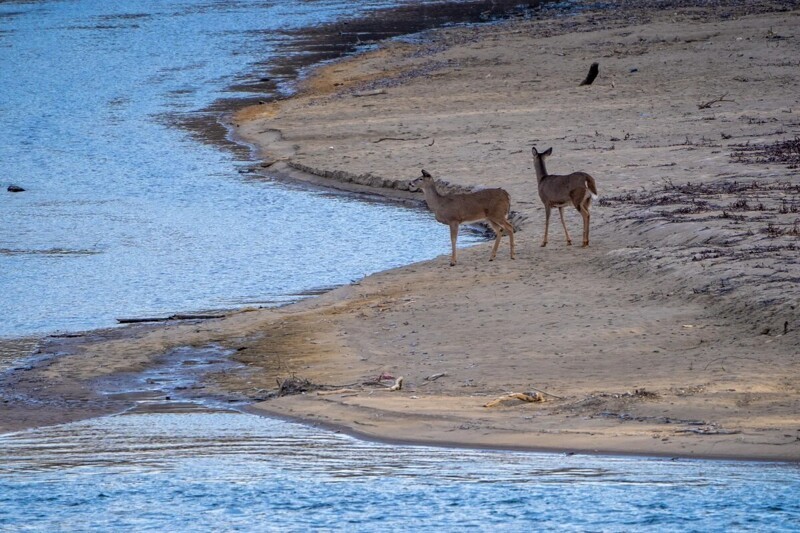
[(226, 471), (126, 215)]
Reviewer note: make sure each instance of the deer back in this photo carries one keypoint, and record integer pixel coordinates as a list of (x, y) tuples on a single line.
[(476, 205), (557, 189)]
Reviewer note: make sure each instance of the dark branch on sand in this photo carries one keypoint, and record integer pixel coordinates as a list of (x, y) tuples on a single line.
[(399, 139), (166, 318), (714, 101)]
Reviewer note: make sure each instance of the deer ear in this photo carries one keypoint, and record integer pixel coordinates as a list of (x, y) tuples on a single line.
[(426, 174), (533, 149), (548, 151)]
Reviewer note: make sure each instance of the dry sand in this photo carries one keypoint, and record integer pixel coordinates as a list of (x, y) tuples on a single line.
[(675, 333)]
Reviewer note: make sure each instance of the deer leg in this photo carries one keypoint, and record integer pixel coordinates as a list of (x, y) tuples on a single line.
[(498, 231), (585, 215), (510, 229), (546, 223), (453, 239), (561, 214)]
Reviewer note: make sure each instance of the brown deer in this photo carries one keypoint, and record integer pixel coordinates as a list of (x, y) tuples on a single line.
[(577, 189), (491, 205)]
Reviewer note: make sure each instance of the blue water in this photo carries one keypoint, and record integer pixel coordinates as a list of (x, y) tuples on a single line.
[(236, 472), (124, 214)]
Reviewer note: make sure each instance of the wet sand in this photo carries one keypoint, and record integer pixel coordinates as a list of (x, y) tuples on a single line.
[(675, 333)]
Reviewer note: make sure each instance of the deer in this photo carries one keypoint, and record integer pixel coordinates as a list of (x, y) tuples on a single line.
[(491, 205), (578, 189)]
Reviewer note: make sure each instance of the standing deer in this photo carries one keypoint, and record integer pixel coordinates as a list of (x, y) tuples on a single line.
[(491, 205), (577, 188)]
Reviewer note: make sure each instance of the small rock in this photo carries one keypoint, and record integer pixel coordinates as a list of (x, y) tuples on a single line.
[(15, 188)]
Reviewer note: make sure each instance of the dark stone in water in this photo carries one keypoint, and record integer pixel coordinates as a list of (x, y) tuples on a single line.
[(15, 188)]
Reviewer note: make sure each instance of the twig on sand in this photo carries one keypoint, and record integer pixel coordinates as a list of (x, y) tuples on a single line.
[(398, 384), (721, 360), (547, 393), (399, 139), (714, 101), (709, 431)]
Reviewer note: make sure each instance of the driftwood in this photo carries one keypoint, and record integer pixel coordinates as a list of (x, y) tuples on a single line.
[(398, 384), (166, 318), (594, 70), (524, 396), (369, 93), (336, 391)]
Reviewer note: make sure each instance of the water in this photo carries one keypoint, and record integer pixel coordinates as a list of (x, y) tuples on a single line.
[(126, 215), (237, 472)]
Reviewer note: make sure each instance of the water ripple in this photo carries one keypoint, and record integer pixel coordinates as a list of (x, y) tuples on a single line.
[(152, 221), (233, 470)]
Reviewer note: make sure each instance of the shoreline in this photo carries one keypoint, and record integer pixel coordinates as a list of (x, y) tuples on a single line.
[(558, 450), (510, 327)]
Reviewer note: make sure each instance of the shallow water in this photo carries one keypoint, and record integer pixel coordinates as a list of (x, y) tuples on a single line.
[(126, 215), (227, 471)]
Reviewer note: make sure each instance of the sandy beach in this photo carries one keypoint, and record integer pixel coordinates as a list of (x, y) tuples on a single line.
[(674, 333)]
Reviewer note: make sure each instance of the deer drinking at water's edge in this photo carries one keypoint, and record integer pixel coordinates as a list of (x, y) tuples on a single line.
[(491, 205), (577, 189)]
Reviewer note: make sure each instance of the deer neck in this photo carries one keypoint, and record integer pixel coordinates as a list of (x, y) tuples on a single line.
[(541, 171), (432, 196)]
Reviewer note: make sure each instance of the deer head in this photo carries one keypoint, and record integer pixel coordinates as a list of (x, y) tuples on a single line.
[(416, 184), (537, 155), (538, 162)]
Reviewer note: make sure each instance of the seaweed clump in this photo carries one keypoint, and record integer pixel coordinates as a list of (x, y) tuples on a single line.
[(781, 152)]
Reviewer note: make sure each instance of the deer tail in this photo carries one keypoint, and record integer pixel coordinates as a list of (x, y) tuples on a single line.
[(591, 185)]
